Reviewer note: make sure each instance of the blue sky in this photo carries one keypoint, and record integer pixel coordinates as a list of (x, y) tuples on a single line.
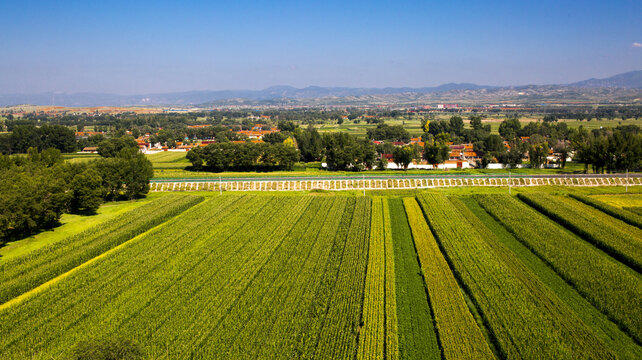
[(133, 47)]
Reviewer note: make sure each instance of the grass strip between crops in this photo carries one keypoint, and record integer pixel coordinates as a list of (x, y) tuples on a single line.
[(458, 333), (610, 286), (626, 216), (618, 239), (526, 319), (606, 330), (416, 332)]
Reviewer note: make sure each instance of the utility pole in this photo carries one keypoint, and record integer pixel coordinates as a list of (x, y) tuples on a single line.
[(364, 184), (509, 183), (627, 181), (220, 188)]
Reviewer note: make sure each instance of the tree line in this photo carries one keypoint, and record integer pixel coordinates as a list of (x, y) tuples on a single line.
[(245, 156), (609, 150)]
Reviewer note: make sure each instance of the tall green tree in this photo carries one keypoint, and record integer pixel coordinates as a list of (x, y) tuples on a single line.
[(436, 152), (110, 148), (402, 156)]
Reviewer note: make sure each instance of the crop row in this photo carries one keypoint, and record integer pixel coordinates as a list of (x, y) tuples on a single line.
[(525, 318), (634, 209), (147, 259), (109, 296), (211, 284), (183, 275), (417, 337), (372, 336), (503, 241), (24, 273), (246, 326), (223, 278), (304, 343), (627, 216), (609, 285), (392, 332), (291, 310), (338, 337), (459, 335), (615, 237)]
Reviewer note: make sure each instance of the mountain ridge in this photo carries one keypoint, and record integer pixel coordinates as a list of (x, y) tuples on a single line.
[(628, 80)]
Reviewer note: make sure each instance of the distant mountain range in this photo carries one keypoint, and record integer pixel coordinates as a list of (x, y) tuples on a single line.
[(629, 80), (288, 94)]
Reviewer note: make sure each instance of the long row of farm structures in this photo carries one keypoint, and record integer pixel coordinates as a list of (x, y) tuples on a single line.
[(540, 275), (384, 184)]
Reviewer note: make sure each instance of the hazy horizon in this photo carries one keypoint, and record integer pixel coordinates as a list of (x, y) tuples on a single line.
[(129, 48)]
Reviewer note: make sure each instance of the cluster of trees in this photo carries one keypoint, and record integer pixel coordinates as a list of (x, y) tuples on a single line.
[(347, 152), (390, 133), (340, 150), (512, 128), (24, 137), (454, 130), (308, 140), (609, 149), (243, 157), (37, 188), (434, 152)]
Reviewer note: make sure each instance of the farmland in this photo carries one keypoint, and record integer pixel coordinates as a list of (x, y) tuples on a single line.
[(429, 274)]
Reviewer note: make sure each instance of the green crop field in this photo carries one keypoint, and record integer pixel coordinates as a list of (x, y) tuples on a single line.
[(435, 274)]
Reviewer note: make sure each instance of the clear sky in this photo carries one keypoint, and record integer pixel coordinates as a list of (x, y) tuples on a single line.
[(134, 47)]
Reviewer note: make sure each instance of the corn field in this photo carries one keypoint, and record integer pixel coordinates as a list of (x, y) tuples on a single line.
[(332, 276)]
